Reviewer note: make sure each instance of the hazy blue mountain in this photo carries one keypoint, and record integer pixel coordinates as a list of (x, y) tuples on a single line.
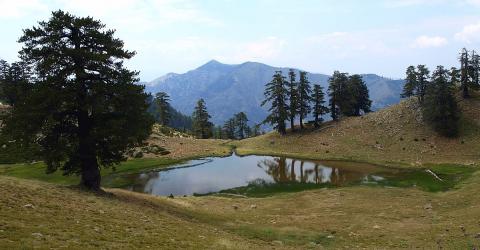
[(228, 89)]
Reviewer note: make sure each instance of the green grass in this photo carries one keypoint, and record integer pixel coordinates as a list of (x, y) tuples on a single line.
[(451, 175), (260, 190), (37, 170)]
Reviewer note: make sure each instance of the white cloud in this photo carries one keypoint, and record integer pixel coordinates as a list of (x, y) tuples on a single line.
[(429, 42), (469, 33), (140, 16), (131, 15)]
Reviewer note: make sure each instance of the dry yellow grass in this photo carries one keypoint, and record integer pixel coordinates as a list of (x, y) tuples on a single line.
[(393, 136), (347, 218), (47, 216), (342, 218), (188, 147)]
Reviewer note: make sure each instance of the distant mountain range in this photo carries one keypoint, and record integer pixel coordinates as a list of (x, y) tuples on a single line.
[(228, 89)]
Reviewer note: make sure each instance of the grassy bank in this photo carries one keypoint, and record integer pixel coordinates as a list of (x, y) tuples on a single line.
[(37, 170), (182, 149), (395, 136), (347, 217)]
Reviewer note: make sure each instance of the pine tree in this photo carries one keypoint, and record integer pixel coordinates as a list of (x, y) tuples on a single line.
[(163, 108), (255, 130), (229, 129), (318, 104), (465, 80), (337, 93), (358, 95), (292, 87), (411, 82), (454, 76), (218, 134), (440, 107), (202, 127), (475, 70), (242, 129), (422, 81), (303, 98), (16, 81), (83, 108), (276, 94)]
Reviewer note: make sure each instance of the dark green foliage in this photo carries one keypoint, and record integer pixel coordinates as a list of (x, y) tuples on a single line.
[(202, 127), (358, 92), (255, 130), (162, 100), (237, 127), (454, 76), (440, 107), (229, 129), (469, 71), (319, 109), (410, 82), (336, 91), (422, 81), (15, 81), (83, 109), (177, 120), (348, 95), (242, 129), (218, 132), (292, 87), (303, 97), (475, 69), (416, 82), (276, 95)]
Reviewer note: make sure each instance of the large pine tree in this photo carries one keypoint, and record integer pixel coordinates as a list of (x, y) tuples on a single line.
[(303, 98), (319, 109), (202, 127), (411, 82), (162, 100), (229, 129), (358, 95), (337, 91), (440, 106), (292, 87), (83, 108), (242, 129), (422, 81), (276, 95)]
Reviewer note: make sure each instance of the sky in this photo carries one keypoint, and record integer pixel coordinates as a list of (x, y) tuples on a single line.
[(382, 36)]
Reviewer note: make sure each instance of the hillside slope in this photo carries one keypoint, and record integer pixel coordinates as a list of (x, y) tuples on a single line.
[(395, 135), (228, 89), (46, 216)]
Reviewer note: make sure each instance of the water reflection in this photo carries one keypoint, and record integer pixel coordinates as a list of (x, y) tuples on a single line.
[(283, 170), (216, 174)]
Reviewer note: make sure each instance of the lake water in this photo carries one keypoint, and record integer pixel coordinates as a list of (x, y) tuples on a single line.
[(215, 174)]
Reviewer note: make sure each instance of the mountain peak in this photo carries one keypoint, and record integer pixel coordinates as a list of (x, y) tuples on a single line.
[(212, 65)]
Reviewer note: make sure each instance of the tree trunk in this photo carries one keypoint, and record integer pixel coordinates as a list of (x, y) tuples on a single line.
[(292, 124), (316, 122), (87, 155), (301, 122), (90, 174), (465, 91)]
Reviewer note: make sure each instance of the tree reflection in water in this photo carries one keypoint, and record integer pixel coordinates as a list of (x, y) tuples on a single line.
[(282, 171)]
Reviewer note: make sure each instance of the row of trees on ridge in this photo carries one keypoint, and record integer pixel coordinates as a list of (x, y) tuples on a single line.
[(289, 99), (436, 93)]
